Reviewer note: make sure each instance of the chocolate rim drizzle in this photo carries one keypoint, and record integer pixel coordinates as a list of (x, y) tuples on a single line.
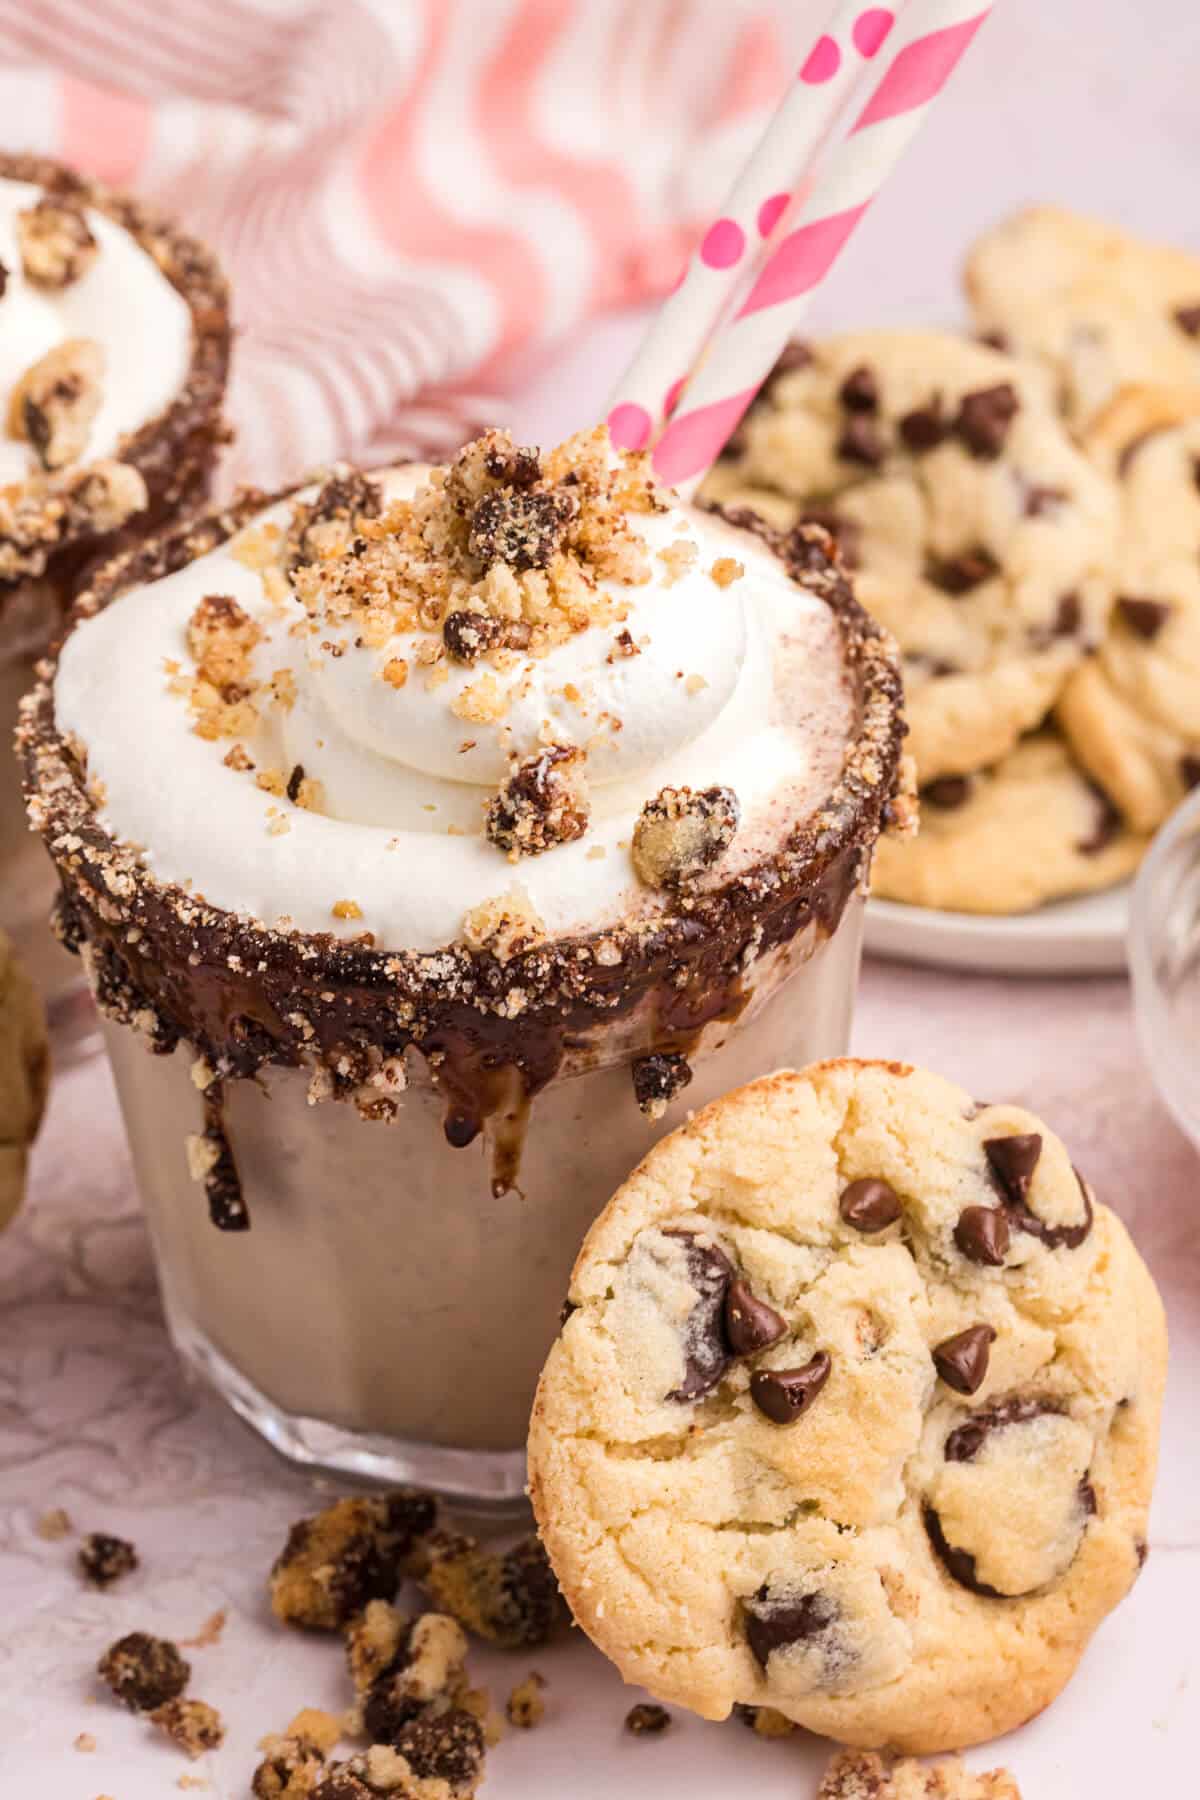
[(244, 995), (174, 450)]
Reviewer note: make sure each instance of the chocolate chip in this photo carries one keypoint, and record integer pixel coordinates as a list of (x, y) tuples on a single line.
[(959, 574), (1068, 615), (860, 441), (1107, 826), (959, 1564), (295, 783), (984, 419), (947, 792), (657, 1079), (965, 1441), (520, 529), (3, 280), (930, 665), (646, 1720), (793, 356), (925, 427), (1055, 1237), (750, 1324), (1188, 319), (995, 340), (513, 465), (785, 1395), (706, 1354), (1189, 771), (1040, 500), (1141, 1550), (1012, 1161), (774, 1623), (962, 1360), (869, 1204), (468, 635), (1146, 617), (983, 1235), (860, 390), (1087, 1498)]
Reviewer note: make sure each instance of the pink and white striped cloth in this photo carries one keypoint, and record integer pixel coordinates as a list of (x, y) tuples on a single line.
[(412, 197)]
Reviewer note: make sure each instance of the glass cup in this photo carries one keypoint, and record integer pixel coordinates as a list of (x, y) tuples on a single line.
[(1164, 961)]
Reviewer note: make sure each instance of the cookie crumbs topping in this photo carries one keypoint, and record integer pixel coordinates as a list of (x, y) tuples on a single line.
[(680, 834), (55, 401), (221, 637), (468, 635), (543, 802), (623, 645), (485, 702), (106, 494), (677, 558), (525, 1706), (328, 526), (104, 1559), (726, 570), (347, 909), (192, 1724), (504, 926), (657, 1080), (56, 242), (54, 1525), (521, 528), (395, 672), (144, 1671), (646, 1720)]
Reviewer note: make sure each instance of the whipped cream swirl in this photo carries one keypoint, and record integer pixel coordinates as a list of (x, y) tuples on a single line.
[(702, 681)]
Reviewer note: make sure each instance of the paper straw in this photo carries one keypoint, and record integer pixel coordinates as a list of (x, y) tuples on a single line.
[(922, 56), (749, 217)]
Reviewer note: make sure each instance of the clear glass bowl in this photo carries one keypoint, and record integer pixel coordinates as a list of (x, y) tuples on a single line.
[(1164, 960)]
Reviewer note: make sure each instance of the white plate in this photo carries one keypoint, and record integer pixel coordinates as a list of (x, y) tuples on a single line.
[(1072, 937)]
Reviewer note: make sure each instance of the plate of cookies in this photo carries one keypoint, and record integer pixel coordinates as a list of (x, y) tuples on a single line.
[(1019, 503)]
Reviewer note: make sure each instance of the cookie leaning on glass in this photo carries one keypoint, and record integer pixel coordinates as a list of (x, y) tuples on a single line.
[(977, 532), (1132, 712), (854, 1412)]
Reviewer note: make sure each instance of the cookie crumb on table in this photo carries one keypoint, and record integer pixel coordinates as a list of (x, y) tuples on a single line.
[(85, 1742), (144, 1671), (862, 1775), (54, 1525), (647, 1720), (104, 1559), (192, 1724), (209, 1633), (525, 1706)]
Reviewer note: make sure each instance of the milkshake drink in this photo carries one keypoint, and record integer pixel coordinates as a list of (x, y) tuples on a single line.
[(114, 343), (445, 835)]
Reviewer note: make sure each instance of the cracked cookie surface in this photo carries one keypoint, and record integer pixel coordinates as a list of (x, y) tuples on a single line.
[(977, 532), (914, 1550), (1132, 712), (1030, 830), (1095, 306)]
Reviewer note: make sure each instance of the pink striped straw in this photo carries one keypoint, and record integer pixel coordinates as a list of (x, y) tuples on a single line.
[(750, 216), (921, 56)]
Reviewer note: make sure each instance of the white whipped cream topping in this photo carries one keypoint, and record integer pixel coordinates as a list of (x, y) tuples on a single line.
[(124, 302), (401, 831)]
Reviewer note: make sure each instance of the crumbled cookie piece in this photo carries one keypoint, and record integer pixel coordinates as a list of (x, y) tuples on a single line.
[(647, 1720), (511, 1598), (290, 1770), (85, 1743), (53, 404), (506, 925), (192, 1724), (221, 636), (144, 1671), (327, 526), (542, 803), (314, 1725), (680, 834), (104, 1559), (54, 1525), (862, 1775), (469, 635), (429, 1667), (525, 1706), (354, 1551), (56, 242), (436, 1757), (375, 1639), (657, 1079), (521, 528), (210, 1632)]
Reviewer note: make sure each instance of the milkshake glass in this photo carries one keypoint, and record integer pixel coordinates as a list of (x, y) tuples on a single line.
[(447, 837), (114, 347)]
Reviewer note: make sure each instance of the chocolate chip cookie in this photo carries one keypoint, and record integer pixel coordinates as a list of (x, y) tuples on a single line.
[(854, 1414), (1095, 306), (1032, 829), (978, 533), (1132, 712)]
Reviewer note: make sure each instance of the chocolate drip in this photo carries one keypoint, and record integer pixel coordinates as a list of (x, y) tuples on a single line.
[(222, 1183)]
